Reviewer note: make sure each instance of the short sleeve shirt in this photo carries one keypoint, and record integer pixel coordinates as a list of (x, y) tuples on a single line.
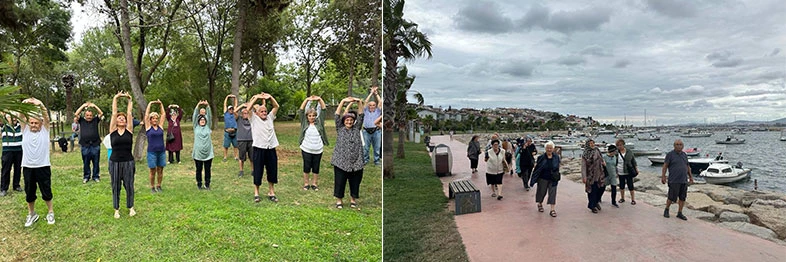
[(678, 167), (229, 120), (368, 120), (35, 146), (263, 132)]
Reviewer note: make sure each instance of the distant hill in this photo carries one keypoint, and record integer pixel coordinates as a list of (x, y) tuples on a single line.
[(779, 121), (746, 122)]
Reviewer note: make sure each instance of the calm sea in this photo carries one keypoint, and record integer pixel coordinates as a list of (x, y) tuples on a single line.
[(762, 152)]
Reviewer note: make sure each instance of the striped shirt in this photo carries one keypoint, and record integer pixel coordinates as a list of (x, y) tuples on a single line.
[(12, 138)]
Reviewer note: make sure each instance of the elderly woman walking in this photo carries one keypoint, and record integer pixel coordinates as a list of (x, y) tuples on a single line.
[(547, 176), (611, 158), (473, 152), (495, 168), (592, 175)]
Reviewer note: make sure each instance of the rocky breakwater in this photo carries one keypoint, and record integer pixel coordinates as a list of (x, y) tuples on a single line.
[(758, 213)]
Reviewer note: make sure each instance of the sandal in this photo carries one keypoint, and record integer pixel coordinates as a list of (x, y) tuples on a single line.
[(306, 187), (553, 213), (256, 199), (499, 197), (353, 205), (315, 188), (339, 205), (633, 202), (622, 200), (493, 194), (540, 208), (272, 198)]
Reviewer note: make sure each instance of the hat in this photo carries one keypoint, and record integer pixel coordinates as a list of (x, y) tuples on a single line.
[(611, 148), (230, 107)]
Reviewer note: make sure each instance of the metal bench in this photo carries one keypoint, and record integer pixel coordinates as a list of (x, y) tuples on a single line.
[(467, 196)]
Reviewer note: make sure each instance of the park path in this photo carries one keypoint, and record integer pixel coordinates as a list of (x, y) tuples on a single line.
[(512, 229)]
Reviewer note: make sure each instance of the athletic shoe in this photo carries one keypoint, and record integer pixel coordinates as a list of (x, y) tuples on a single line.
[(84, 181), (240, 174), (31, 219), (159, 189), (97, 180), (131, 212), (50, 218), (681, 216), (207, 187), (18, 189), (3, 193), (153, 190)]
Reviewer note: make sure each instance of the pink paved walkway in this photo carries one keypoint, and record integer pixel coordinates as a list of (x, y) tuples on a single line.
[(513, 230)]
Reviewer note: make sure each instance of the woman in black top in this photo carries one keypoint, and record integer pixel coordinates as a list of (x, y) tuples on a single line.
[(473, 151), (121, 167)]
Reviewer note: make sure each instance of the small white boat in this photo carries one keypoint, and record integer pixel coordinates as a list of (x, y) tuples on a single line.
[(645, 152), (730, 140), (783, 135), (657, 160), (691, 152), (699, 164), (649, 138), (699, 134), (725, 173), (625, 135)]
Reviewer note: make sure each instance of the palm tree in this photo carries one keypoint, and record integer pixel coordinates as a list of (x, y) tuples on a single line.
[(401, 39)]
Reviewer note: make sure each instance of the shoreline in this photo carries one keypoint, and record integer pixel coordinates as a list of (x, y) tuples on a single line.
[(758, 213)]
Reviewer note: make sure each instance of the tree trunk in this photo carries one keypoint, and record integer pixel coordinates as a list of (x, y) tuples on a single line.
[(377, 61), (402, 134), (133, 73), (389, 93), (351, 73), (237, 50)]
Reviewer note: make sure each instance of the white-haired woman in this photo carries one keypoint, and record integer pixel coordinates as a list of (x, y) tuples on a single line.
[(495, 164), (156, 150), (312, 139), (547, 175)]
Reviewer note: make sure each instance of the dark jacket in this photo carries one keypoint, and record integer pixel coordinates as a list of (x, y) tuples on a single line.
[(473, 150), (544, 171), (630, 162)]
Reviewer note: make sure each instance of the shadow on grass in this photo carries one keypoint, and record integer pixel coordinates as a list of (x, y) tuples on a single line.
[(418, 225), (186, 224)]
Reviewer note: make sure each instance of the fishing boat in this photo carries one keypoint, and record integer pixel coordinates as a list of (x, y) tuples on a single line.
[(730, 140), (725, 173), (694, 133), (691, 152), (646, 152), (699, 164)]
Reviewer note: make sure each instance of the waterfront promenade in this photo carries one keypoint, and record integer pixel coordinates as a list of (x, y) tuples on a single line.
[(512, 229)]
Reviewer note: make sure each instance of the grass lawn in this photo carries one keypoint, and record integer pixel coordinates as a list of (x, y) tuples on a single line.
[(418, 225), (186, 224)]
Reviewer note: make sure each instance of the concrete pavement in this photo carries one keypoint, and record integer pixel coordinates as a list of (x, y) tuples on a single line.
[(512, 229)]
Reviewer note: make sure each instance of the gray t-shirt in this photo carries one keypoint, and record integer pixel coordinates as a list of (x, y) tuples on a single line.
[(244, 130), (35, 146), (678, 167)]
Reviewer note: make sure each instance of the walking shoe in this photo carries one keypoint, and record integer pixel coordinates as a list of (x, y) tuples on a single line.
[(207, 187), (50, 218), (18, 189), (97, 180), (598, 207), (666, 212), (159, 189), (131, 212), (117, 214), (153, 190), (31, 219), (225, 159), (200, 187), (240, 174), (84, 181), (3, 193), (615, 205), (681, 216)]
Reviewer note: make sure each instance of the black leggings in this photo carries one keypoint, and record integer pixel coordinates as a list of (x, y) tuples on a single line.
[(207, 164), (340, 182), (171, 159), (473, 163), (593, 197)]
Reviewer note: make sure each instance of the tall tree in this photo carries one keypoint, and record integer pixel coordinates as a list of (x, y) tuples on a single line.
[(147, 13), (212, 27), (311, 37), (357, 26), (262, 12), (401, 40)]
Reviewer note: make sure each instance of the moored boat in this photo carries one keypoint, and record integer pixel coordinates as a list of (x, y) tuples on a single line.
[(730, 140), (699, 164), (725, 173), (646, 152)]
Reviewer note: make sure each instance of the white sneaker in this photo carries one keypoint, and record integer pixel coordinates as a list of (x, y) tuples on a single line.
[(117, 214), (131, 212), (31, 219), (50, 218)]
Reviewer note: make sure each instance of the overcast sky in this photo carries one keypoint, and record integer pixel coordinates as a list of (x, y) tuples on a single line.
[(682, 61)]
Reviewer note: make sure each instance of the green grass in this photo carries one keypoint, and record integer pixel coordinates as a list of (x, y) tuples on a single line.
[(185, 224), (418, 225)]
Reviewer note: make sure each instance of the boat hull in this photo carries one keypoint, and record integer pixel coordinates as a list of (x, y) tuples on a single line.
[(732, 142), (728, 179)]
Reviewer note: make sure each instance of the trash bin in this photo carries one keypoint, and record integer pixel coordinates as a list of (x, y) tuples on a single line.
[(442, 160)]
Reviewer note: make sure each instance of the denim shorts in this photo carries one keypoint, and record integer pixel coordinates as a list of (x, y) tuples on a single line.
[(230, 140), (156, 159)]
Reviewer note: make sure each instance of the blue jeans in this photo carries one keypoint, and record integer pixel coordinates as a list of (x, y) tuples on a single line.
[(374, 140), (90, 154)]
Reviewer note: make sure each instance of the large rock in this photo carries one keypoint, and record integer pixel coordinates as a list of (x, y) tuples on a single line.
[(720, 208), (768, 216), (729, 216), (698, 214), (699, 201), (777, 203), (751, 229)]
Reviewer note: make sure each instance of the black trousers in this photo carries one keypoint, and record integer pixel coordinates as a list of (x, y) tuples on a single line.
[(473, 163), (172, 159), (11, 159), (340, 182), (593, 197), (526, 174), (207, 164)]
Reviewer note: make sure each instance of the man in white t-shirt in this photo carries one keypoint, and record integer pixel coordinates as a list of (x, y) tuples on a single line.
[(35, 162), (264, 144)]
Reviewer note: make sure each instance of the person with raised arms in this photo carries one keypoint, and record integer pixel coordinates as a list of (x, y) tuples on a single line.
[(264, 156), (121, 164)]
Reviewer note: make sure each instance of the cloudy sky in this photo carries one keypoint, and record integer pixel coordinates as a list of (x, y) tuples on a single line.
[(681, 61)]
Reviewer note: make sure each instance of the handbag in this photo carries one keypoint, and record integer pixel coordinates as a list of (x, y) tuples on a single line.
[(633, 172), (505, 167), (170, 137), (556, 175)]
